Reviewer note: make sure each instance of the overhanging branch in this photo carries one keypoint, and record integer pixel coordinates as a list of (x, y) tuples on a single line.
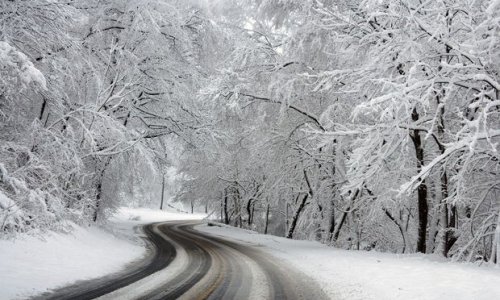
[(301, 111)]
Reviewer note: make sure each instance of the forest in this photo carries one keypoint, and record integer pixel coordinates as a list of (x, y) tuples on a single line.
[(362, 124)]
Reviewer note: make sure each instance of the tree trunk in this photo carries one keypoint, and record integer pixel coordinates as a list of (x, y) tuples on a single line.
[(42, 109), (100, 179), (287, 219), (302, 204), (495, 247), (448, 213), (423, 209), (448, 218), (331, 226), (224, 207), (400, 227), (162, 191), (237, 205), (253, 212), (319, 220), (296, 216), (97, 201), (343, 217), (267, 218), (336, 232), (249, 212)]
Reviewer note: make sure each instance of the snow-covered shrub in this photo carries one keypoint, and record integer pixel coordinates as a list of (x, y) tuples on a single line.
[(42, 188), (40, 168), (10, 214)]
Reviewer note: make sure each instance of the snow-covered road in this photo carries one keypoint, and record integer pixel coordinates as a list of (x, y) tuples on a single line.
[(239, 262), (33, 264), (371, 275), (206, 268)]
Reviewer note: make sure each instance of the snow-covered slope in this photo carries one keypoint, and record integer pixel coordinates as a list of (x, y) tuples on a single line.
[(31, 265), (361, 275)]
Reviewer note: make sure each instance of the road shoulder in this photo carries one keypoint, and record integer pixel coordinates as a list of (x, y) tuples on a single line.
[(34, 265), (357, 275)]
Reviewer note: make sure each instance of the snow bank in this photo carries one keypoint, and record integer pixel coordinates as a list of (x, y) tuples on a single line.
[(363, 275), (31, 265)]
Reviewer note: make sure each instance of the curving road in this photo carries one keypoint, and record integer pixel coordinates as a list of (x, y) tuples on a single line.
[(187, 264)]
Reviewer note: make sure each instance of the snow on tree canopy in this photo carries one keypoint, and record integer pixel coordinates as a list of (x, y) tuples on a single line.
[(15, 64)]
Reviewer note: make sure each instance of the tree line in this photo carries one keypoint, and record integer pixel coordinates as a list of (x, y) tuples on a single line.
[(361, 124), (367, 124), (91, 93)]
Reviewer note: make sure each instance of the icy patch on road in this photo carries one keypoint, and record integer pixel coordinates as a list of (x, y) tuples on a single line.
[(32, 265), (360, 275)]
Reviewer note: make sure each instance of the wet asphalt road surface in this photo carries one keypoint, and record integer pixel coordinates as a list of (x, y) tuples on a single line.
[(187, 264)]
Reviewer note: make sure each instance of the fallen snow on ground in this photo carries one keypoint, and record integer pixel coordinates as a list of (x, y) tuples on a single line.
[(357, 275), (145, 216), (32, 265), (29, 265)]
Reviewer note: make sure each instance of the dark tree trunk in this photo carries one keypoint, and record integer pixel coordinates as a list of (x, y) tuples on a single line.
[(287, 219), (253, 212), (249, 212), (251, 205), (97, 201), (400, 227), (343, 217), (331, 227), (336, 232), (448, 217), (320, 230), (100, 179), (42, 110), (224, 208), (296, 216), (162, 191), (423, 210), (237, 206), (301, 207), (448, 211), (267, 219)]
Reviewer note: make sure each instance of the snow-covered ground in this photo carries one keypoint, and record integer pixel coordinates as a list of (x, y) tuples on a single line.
[(357, 275), (31, 265)]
